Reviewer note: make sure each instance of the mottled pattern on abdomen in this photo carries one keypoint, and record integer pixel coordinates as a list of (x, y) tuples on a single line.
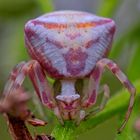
[(69, 43)]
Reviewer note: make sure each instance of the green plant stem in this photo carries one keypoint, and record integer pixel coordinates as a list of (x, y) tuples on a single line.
[(115, 106)]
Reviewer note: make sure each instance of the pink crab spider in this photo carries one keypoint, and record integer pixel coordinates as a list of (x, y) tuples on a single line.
[(69, 45)]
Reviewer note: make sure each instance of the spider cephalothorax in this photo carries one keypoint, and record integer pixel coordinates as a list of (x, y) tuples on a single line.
[(70, 45)]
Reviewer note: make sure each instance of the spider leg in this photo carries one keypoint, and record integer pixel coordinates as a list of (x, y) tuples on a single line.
[(96, 75), (106, 95), (90, 98), (11, 79), (37, 76)]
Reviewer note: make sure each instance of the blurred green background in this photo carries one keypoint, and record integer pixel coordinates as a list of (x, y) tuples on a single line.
[(125, 51)]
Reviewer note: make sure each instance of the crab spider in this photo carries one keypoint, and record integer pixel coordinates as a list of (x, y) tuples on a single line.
[(69, 45)]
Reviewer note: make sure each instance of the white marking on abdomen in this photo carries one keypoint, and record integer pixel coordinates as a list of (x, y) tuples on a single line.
[(56, 58)]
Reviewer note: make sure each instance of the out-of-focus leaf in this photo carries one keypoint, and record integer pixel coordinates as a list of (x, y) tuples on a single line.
[(108, 7), (16, 43), (14, 8), (129, 37), (45, 5), (129, 41), (134, 66), (129, 132)]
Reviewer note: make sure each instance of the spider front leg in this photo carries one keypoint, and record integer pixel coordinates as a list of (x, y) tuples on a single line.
[(95, 78), (83, 115), (106, 94), (37, 76)]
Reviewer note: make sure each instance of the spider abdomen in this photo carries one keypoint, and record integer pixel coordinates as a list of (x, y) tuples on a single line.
[(69, 43)]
